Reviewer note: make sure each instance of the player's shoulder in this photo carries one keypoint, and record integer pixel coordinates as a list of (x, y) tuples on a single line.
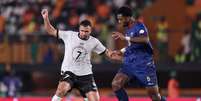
[(67, 32), (94, 39), (140, 25)]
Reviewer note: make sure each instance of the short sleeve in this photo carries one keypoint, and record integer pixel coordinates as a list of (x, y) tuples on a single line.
[(100, 48), (142, 30), (63, 34)]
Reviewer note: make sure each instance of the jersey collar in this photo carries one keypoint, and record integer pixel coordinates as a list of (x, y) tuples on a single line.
[(85, 39)]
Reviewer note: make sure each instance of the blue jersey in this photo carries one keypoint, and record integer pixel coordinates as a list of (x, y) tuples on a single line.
[(138, 57), (138, 30)]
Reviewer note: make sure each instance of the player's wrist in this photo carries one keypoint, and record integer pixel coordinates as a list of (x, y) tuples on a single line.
[(127, 38), (123, 50)]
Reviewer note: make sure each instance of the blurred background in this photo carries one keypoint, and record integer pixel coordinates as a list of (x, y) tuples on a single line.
[(30, 60)]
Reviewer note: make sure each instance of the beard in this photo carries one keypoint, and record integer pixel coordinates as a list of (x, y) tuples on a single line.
[(125, 24), (85, 37)]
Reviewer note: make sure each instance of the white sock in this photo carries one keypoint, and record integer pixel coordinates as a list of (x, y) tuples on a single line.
[(85, 99), (56, 98)]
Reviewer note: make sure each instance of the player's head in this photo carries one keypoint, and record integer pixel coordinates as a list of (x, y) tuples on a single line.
[(85, 28), (124, 15)]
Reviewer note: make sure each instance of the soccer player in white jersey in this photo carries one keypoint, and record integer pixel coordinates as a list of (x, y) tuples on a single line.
[(76, 70)]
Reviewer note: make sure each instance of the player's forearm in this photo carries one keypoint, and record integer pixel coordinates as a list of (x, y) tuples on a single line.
[(49, 28), (142, 39), (115, 55), (118, 58)]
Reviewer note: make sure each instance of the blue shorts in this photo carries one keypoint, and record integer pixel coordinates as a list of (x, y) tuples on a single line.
[(142, 69)]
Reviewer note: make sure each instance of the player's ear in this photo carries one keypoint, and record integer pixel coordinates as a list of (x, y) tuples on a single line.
[(90, 30)]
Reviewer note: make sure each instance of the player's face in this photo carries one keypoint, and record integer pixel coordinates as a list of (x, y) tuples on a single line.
[(124, 21), (84, 31)]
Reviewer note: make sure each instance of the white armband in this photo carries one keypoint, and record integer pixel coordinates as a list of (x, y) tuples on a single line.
[(128, 38), (123, 50)]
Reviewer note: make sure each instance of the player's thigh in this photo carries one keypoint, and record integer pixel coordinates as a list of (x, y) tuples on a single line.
[(119, 80), (153, 92), (63, 88), (86, 84), (146, 75), (93, 96)]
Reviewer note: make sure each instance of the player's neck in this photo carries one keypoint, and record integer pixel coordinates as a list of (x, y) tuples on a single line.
[(131, 23)]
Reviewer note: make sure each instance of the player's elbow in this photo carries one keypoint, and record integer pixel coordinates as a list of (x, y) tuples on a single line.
[(50, 31), (146, 40)]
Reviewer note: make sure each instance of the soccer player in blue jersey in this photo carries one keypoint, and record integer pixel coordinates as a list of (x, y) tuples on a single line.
[(137, 57)]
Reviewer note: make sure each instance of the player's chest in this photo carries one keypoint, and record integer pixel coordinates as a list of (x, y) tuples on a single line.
[(82, 45), (131, 33)]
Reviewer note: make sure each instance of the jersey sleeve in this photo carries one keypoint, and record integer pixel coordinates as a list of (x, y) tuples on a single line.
[(63, 34), (142, 31), (100, 48)]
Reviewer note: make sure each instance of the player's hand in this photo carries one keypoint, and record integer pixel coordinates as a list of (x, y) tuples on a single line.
[(116, 55), (109, 53), (118, 35), (44, 13)]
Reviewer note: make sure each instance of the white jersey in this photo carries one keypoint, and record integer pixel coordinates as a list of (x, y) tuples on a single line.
[(78, 52)]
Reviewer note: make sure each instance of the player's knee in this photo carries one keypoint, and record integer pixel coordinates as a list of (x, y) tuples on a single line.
[(60, 93), (155, 97), (62, 89), (94, 99), (97, 98), (116, 85), (93, 96)]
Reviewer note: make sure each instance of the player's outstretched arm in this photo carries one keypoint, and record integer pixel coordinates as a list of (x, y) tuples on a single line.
[(48, 27), (140, 39)]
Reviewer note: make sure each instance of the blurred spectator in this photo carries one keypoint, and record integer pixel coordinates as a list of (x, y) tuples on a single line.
[(196, 38), (103, 12), (73, 21), (184, 53), (198, 2), (162, 38), (119, 3), (190, 2), (173, 85), (29, 24), (48, 57), (11, 81), (3, 89), (34, 49), (58, 7), (2, 25)]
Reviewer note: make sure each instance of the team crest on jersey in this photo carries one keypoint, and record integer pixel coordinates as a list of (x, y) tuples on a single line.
[(79, 53), (141, 31)]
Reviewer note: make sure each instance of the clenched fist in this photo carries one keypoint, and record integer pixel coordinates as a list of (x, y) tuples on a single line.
[(44, 13)]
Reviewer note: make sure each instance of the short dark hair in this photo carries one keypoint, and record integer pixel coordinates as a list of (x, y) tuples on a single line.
[(85, 23), (124, 11)]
